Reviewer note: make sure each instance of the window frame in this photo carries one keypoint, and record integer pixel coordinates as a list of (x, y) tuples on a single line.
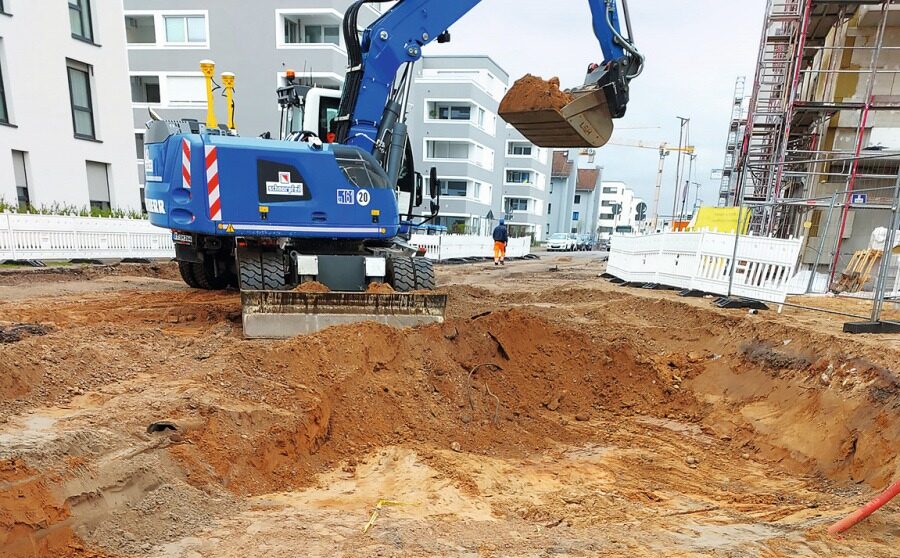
[(83, 7), (186, 28), (530, 177), (513, 145), (577, 199), (509, 204), (281, 14), (159, 29), (71, 65), (5, 119)]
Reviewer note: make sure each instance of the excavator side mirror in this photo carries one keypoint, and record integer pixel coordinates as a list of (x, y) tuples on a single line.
[(433, 189), (420, 189)]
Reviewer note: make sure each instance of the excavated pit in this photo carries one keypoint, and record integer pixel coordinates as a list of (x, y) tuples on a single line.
[(531, 420)]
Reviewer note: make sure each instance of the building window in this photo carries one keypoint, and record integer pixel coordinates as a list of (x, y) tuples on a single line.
[(300, 29), (610, 190), (456, 188), (448, 150), (185, 29), (607, 216), (447, 111), (321, 34), (517, 204), (80, 20), (549, 206), (518, 177), (606, 203), (98, 185), (20, 172), (80, 98), (576, 216), (476, 193), (519, 148), (577, 198), (4, 110), (140, 29), (145, 89)]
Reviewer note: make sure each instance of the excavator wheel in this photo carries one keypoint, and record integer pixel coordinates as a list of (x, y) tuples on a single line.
[(186, 269), (402, 274), (424, 273), (206, 278), (261, 270)]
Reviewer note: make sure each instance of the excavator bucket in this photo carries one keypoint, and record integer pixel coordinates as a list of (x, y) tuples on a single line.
[(282, 314), (549, 117)]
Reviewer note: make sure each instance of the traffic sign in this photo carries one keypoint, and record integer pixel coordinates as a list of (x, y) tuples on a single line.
[(859, 198)]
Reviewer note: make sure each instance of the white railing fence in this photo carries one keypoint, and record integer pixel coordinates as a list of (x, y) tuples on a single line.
[(701, 261), (450, 246), (56, 237)]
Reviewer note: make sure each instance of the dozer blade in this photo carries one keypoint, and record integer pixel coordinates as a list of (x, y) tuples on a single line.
[(282, 314), (584, 122)]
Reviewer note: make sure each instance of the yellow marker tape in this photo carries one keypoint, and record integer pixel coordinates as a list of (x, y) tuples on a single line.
[(263, 209), (376, 212), (229, 229), (381, 504)]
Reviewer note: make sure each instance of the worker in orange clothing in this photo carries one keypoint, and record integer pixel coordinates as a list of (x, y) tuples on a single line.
[(501, 237)]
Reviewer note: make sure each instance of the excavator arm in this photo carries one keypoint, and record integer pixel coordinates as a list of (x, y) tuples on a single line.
[(371, 114)]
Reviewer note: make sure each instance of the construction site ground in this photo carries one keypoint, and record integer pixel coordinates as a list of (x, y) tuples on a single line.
[(552, 414)]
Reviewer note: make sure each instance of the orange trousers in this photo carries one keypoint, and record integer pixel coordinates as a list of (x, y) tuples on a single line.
[(499, 251)]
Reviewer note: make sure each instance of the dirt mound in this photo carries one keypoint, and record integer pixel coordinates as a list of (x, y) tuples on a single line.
[(506, 383), (26, 508), (312, 287), (531, 93), (380, 288), (27, 275)]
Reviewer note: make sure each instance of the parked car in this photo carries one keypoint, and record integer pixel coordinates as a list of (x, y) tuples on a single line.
[(561, 242), (585, 242)]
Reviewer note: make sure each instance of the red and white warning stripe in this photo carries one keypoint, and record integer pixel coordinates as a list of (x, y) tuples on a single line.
[(212, 183), (186, 163)]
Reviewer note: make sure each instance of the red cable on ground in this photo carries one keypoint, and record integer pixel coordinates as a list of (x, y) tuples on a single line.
[(866, 510)]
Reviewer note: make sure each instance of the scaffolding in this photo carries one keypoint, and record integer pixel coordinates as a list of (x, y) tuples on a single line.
[(736, 127), (824, 98)]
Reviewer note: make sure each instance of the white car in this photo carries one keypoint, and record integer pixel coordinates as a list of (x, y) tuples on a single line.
[(562, 242)]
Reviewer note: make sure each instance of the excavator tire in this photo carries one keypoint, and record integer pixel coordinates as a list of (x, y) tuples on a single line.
[(261, 270), (186, 269), (402, 274), (206, 278), (424, 273)]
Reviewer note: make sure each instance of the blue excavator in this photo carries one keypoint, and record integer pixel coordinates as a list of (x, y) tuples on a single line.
[(334, 198)]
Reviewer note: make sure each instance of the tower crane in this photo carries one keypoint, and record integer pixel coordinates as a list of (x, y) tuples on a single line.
[(664, 150)]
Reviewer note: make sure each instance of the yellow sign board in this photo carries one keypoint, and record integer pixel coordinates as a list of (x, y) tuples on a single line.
[(721, 219)]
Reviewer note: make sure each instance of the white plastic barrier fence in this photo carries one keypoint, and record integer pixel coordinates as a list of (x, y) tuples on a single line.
[(702, 261), (55, 237), (450, 246)]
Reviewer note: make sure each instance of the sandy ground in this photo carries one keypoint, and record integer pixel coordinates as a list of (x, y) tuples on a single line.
[(553, 414)]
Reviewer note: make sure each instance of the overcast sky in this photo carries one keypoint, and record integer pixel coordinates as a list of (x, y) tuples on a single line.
[(694, 48)]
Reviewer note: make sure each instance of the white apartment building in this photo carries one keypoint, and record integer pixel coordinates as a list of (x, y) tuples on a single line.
[(620, 210), (65, 117), (487, 170)]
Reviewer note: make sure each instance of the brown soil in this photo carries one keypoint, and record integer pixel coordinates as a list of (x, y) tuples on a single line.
[(552, 413), (312, 287), (379, 288), (531, 93)]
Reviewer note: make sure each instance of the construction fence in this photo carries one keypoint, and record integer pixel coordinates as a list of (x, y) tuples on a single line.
[(59, 237)]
